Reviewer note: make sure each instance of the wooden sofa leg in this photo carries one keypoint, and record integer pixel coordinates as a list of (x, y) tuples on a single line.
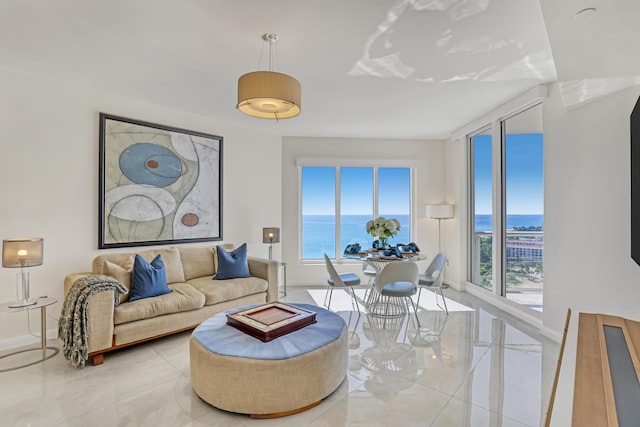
[(98, 359)]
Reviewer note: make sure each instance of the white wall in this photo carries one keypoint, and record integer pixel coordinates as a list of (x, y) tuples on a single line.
[(49, 180), (588, 266), (456, 194), (429, 157)]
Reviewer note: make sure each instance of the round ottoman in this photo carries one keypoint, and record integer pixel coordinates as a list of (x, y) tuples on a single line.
[(236, 372)]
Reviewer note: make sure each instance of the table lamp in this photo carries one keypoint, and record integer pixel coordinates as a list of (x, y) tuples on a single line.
[(21, 253), (270, 235)]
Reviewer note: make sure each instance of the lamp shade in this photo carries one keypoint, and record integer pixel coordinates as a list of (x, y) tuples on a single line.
[(25, 252), (440, 211), (270, 235), (269, 95)]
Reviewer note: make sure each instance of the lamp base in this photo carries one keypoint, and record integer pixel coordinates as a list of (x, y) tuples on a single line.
[(23, 303)]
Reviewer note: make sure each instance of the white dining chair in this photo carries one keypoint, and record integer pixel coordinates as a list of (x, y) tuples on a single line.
[(395, 285), (432, 279), (345, 280)]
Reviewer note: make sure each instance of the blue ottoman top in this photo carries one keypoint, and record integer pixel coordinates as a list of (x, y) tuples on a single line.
[(216, 336)]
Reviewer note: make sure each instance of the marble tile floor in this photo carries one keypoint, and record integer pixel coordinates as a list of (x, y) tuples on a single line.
[(474, 367)]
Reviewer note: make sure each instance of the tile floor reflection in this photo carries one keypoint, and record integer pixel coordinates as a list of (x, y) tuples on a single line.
[(475, 367)]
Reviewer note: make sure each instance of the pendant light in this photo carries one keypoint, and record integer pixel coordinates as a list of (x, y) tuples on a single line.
[(269, 94)]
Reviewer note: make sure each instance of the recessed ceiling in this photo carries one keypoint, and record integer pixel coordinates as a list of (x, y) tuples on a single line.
[(385, 69)]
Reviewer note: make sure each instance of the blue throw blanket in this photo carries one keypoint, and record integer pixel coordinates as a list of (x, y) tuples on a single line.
[(73, 328)]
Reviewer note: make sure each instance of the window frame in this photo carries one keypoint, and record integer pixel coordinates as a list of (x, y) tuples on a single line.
[(497, 128), (375, 164)]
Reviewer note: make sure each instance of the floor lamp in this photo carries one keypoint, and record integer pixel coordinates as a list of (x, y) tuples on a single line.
[(21, 253), (271, 235), (440, 212)]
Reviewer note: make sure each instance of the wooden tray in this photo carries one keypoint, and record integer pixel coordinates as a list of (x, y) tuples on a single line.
[(269, 321)]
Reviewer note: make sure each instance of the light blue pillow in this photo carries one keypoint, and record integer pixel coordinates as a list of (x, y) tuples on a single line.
[(232, 265), (148, 279)]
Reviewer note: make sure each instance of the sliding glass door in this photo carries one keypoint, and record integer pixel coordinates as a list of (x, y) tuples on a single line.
[(524, 208), (506, 239)]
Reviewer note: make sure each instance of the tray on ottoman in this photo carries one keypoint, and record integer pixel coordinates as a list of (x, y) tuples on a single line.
[(269, 321)]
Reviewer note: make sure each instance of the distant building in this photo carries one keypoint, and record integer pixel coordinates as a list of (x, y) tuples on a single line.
[(525, 249)]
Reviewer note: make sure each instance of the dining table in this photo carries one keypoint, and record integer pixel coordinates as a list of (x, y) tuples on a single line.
[(377, 260)]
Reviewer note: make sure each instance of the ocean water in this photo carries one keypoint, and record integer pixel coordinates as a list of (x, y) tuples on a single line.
[(483, 222), (319, 231)]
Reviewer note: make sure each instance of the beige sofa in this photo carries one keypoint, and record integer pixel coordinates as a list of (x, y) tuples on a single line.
[(195, 296)]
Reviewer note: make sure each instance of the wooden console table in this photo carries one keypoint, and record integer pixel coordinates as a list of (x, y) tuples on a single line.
[(606, 389)]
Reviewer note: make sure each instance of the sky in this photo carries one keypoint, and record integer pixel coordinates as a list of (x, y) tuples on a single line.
[(524, 183), (524, 174), (319, 183)]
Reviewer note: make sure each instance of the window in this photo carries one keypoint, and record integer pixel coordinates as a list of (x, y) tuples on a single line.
[(337, 202), (507, 229), (481, 226), (318, 211), (523, 235)]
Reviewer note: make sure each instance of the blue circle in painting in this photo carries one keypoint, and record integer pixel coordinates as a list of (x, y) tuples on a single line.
[(150, 164)]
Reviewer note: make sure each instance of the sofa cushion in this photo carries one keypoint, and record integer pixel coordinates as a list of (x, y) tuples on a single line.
[(124, 259), (198, 262), (232, 265), (121, 274), (170, 257), (172, 263), (216, 291), (148, 279), (183, 298)]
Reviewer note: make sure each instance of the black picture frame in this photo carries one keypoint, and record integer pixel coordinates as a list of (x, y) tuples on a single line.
[(158, 185), (635, 181)]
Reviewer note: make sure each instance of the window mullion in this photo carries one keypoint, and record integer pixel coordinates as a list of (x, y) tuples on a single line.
[(502, 213), (375, 192), (336, 255), (498, 197)]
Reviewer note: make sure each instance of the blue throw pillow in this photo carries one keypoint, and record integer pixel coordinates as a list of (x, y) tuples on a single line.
[(148, 279), (232, 265)]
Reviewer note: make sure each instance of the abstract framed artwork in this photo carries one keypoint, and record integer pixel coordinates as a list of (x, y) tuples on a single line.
[(158, 184)]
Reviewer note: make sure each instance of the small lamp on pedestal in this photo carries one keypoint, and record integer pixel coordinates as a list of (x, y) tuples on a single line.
[(271, 235), (22, 253), (440, 212)]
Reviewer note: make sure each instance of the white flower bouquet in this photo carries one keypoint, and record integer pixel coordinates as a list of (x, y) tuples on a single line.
[(383, 228)]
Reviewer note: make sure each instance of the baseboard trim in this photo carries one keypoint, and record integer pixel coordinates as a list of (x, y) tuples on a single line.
[(513, 309), (25, 340)]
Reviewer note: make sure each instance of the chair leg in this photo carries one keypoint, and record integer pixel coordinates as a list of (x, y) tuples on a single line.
[(349, 322), (444, 301), (330, 294), (415, 311), (419, 294), (386, 310), (354, 301)]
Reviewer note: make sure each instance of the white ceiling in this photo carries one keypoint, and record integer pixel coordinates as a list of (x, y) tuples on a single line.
[(368, 68)]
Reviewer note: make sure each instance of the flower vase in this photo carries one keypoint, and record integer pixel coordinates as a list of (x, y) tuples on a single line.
[(384, 244)]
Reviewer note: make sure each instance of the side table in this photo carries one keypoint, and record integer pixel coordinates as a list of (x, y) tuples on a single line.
[(42, 304), (284, 277)]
